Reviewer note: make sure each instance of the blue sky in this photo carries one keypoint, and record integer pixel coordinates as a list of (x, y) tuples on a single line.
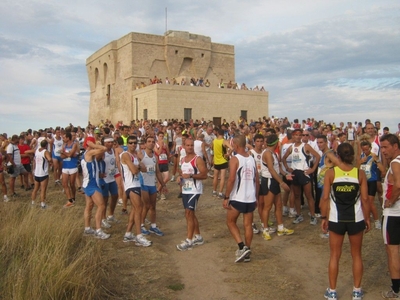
[(332, 60)]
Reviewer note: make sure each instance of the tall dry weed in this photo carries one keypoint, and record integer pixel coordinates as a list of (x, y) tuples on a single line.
[(43, 255)]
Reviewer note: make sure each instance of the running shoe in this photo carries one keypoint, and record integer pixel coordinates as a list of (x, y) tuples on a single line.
[(120, 202), (285, 211), (5, 198), (358, 295), (101, 235), (69, 204), (330, 295), (317, 215), (105, 224), (324, 235), (124, 211), (214, 193), (144, 231), (89, 231), (129, 238), (44, 206), (241, 254), (197, 240), (285, 231), (266, 235), (292, 214), (220, 195), (172, 178), (298, 219), (162, 197), (255, 230), (113, 219), (184, 245), (142, 241), (156, 231), (313, 221), (210, 175), (247, 258), (390, 295), (378, 225)]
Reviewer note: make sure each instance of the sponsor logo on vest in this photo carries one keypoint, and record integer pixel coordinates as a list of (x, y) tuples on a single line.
[(345, 188)]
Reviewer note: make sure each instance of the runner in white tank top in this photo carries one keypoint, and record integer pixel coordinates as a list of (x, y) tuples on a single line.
[(41, 173), (130, 168), (240, 196)]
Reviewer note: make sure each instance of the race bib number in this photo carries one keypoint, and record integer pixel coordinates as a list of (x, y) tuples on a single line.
[(295, 157), (367, 170), (151, 169), (163, 156), (188, 186)]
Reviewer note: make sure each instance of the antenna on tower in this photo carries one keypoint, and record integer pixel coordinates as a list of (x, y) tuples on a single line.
[(166, 20)]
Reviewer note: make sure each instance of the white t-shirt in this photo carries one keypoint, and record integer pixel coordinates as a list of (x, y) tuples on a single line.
[(14, 151)]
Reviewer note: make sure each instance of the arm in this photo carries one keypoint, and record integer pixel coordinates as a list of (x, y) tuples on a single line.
[(269, 160), (332, 157), (158, 148), (117, 159), (228, 146), (233, 166), (202, 170), (33, 143), (159, 176), (98, 149), (47, 155), (10, 154), (317, 157), (203, 149), (324, 202), (379, 164), (126, 159), (396, 185), (287, 153), (364, 199)]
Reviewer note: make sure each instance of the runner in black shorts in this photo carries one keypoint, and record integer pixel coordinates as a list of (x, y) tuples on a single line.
[(345, 208)]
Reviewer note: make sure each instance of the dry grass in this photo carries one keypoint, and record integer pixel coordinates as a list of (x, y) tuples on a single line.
[(44, 256)]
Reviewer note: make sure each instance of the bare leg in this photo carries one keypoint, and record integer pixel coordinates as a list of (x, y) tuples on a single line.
[(335, 243)]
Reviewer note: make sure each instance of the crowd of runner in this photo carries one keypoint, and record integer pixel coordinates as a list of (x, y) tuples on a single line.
[(264, 165)]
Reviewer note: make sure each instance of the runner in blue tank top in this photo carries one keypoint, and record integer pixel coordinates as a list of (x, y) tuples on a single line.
[(93, 193)]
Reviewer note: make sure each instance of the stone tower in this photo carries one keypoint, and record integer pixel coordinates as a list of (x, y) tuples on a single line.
[(119, 68)]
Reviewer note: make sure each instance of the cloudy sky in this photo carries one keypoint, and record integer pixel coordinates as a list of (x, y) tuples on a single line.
[(332, 60)]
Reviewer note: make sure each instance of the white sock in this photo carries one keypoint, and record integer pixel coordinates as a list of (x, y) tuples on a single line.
[(87, 228), (280, 227), (153, 225)]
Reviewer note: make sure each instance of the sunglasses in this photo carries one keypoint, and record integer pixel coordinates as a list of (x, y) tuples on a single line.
[(130, 143)]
